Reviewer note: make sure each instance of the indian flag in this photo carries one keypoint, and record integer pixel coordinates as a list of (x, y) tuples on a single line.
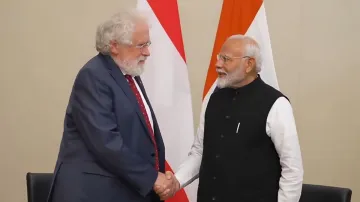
[(245, 17), (166, 77)]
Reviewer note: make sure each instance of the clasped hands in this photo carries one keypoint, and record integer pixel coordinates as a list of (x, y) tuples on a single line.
[(166, 185)]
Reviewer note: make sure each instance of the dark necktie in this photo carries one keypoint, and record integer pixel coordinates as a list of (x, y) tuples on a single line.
[(143, 111)]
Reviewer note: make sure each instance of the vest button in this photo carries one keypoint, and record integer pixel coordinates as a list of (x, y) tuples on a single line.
[(227, 117), (217, 156), (222, 136), (213, 198), (214, 178)]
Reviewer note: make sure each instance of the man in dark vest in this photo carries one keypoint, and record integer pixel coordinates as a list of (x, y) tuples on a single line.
[(247, 147)]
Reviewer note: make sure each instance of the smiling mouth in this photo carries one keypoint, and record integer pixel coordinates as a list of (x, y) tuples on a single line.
[(221, 74)]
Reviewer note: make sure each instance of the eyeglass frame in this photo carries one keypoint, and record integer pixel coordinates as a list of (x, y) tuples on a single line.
[(142, 46), (226, 59)]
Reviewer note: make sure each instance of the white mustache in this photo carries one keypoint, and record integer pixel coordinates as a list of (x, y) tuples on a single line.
[(141, 58), (221, 71)]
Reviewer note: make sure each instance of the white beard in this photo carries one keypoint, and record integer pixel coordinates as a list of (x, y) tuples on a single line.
[(230, 79), (222, 82), (132, 68)]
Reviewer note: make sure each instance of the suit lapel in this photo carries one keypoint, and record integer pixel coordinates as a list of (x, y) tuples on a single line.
[(139, 82), (158, 137), (155, 123), (121, 81)]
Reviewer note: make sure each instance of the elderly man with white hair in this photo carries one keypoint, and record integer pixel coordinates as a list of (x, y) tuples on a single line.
[(247, 147), (111, 148)]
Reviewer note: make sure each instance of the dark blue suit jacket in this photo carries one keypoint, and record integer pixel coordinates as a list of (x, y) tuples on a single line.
[(106, 153)]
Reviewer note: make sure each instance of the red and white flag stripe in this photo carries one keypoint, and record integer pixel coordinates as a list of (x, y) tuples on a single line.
[(167, 84)]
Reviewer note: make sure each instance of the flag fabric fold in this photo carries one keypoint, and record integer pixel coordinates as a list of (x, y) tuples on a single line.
[(167, 84)]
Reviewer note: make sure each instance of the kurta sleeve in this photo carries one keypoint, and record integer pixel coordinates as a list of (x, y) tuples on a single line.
[(282, 130), (189, 169)]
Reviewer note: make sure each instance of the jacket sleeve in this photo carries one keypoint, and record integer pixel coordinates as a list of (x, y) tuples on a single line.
[(95, 119)]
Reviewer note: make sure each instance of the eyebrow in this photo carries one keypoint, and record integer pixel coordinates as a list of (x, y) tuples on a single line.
[(141, 43), (227, 56)]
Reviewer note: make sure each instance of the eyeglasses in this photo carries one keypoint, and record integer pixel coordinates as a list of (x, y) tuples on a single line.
[(141, 46), (226, 59)]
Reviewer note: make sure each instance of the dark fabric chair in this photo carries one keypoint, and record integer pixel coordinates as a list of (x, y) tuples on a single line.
[(38, 186), (321, 193)]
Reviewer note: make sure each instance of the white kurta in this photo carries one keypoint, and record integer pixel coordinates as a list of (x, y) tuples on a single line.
[(281, 128)]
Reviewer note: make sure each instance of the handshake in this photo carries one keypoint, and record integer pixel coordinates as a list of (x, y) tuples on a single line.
[(166, 185)]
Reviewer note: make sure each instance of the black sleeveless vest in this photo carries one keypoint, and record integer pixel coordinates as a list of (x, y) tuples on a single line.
[(239, 161)]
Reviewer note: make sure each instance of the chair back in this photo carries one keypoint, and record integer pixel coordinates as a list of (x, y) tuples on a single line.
[(38, 186), (321, 193)]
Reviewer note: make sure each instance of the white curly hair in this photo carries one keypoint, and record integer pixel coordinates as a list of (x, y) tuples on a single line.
[(119, 28)]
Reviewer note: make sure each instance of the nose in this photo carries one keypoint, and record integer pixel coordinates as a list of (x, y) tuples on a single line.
[(219, 63), (145, 51)]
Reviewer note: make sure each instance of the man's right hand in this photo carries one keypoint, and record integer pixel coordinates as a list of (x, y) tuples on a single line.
[(166, 185)]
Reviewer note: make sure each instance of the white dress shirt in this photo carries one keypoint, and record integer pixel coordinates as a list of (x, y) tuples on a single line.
[(281, 128), (147, 108)]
